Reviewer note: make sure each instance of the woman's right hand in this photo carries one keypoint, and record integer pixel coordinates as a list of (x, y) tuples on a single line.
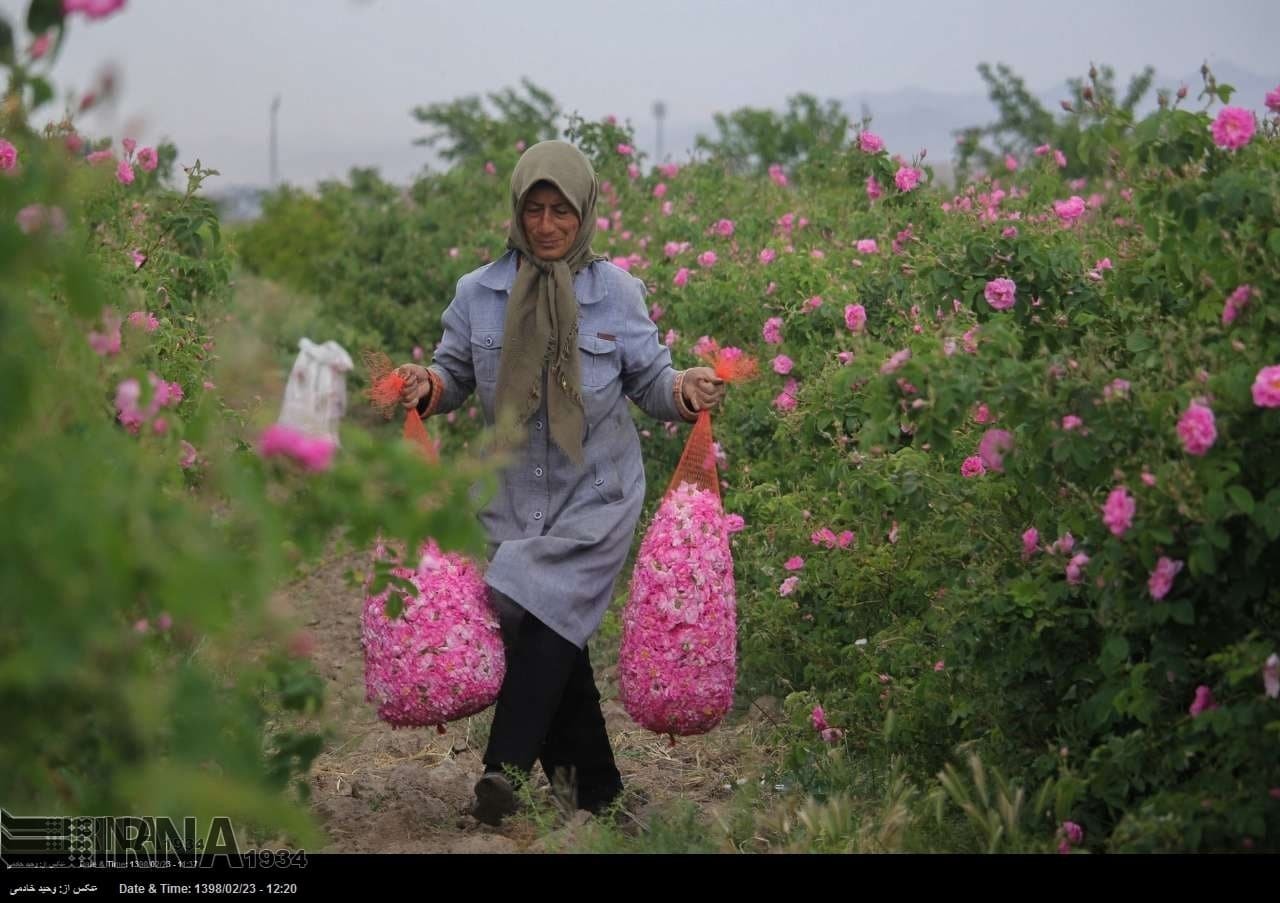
[(416, 384)]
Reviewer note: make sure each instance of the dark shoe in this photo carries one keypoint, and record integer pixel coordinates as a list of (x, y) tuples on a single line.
[(598, 799), (495, 798)]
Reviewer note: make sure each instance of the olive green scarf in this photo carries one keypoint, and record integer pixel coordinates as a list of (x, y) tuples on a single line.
[(541, 327)]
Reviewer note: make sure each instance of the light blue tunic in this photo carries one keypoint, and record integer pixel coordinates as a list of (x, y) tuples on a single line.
[(559, 534)]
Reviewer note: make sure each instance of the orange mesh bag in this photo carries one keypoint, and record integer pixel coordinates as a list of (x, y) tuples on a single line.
[(385, 386), (697, 465), (677, 664), (433, 654)]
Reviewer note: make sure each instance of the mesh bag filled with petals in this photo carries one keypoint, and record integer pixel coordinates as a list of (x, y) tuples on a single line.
[(434, 655), (678, 661), (432, 643)]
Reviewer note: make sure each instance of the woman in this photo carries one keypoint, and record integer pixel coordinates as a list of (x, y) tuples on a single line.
[(556, 340)]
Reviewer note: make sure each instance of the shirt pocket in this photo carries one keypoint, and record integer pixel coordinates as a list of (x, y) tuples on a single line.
[(606, 481), (486, 354), (601, 360)]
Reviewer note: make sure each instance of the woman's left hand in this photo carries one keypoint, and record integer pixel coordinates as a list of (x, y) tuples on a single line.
[(703, 390)]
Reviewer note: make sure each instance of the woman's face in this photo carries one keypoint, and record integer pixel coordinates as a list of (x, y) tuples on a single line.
[(550, 225)]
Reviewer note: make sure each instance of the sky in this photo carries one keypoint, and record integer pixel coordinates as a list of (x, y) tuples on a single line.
[(203, 73)]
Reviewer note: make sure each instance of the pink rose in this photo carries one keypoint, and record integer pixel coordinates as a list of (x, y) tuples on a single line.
[(313, 453), (93, 9), (1233, 128), (1161, 579), (992, 448), (1001, 293), (1203, 701), (874, 191), (1069, 211), (1073, 833), (1118, 511), (870, 143), (786, 399), (107, 342), (40, 46), (1197, 429), (705, 346), (1076, 566), (772, 331), (972, 467), (855, 317), (794, 563), (1030, 541), (907, 178), (1271, 683), (788, 586), (782, 364), (707, 259), (8, 155), (1266, 387), (144, 320), (896, 360), (681, 277), (1236, 302), (768, 255)]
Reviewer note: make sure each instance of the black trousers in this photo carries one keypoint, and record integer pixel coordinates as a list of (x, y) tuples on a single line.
[(549, 711)]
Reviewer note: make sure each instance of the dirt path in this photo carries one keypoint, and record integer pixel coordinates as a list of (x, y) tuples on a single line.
[(375, 789)]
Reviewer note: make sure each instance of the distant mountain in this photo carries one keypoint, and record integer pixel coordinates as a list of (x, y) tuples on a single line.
[(237, 203)]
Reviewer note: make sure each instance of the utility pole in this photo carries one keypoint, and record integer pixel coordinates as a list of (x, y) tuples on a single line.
[(275, 163), (659, 113)]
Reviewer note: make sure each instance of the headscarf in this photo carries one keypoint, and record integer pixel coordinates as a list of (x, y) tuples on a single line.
[(541, 326)]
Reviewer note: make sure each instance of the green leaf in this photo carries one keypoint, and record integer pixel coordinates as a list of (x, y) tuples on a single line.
[(1182, 612), (394, 607), (1225, 92), (1273, 241), (41, 92), (6, 42), (1268, 517), (1025, 591), (1242, 498), (43, 15), (1139, 341), (1218, 536), (1202, 560), (1115, 651)]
